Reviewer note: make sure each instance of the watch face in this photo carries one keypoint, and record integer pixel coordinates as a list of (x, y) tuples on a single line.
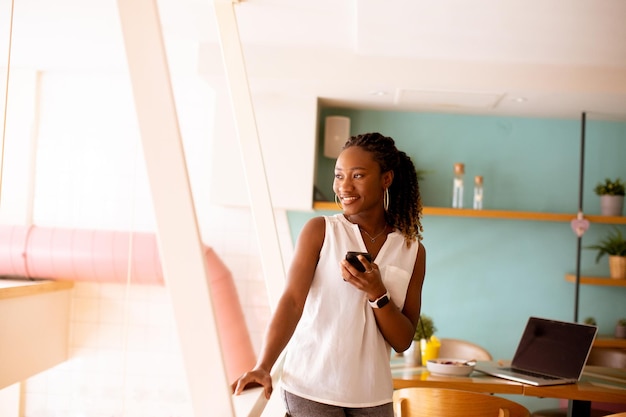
[(383, 301)]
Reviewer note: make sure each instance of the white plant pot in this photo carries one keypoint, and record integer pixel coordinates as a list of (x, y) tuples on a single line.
[(413, 355), (611, 205)]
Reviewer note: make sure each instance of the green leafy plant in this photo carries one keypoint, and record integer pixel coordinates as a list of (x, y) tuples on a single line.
[(610, 187), (621, 322), (613, 245), (425, 328), (421, 174), (591, 321)]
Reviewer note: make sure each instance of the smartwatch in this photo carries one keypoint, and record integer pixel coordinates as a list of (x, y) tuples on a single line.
[(381, 301)]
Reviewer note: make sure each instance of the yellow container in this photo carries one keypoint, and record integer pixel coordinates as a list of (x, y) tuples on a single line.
[(429, 349)]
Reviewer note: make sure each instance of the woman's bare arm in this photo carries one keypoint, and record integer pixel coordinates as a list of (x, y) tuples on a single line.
[(289, 308)]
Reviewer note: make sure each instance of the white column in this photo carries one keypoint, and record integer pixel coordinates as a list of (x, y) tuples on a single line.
[(179, 240)]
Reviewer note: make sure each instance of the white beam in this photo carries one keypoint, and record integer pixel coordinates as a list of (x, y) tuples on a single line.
[(250, 147), (251, 403), (179, 240)]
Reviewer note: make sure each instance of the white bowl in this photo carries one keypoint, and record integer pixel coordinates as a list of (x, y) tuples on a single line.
[(447, 366)]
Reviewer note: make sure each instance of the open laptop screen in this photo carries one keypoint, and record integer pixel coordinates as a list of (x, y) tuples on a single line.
[(554, 347)]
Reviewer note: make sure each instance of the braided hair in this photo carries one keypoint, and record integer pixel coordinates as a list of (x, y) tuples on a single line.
[(405, 206)]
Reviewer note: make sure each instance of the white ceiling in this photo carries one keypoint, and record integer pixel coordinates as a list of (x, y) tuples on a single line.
[(541, 58)]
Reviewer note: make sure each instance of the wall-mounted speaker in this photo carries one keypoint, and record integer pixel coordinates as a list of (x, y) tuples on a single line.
[(336, 133)]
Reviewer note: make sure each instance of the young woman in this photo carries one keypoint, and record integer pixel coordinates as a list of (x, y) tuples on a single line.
[(340, 322)]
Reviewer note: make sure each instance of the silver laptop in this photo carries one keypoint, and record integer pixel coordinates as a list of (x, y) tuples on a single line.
[(550, 352)]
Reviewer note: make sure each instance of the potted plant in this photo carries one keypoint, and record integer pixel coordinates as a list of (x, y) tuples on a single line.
[(620, 329), (423, 334), (425, 328), (614, 246), (590, 321), (611, 197)]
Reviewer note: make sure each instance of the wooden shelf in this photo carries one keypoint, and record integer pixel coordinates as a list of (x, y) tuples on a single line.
[(609, 342), (606, 281), (325, 205), (606, 219), (496, 214)]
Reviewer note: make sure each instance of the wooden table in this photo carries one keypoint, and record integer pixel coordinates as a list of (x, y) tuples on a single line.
[(607, 385), (404, 377), (597, 384), (34, 330)]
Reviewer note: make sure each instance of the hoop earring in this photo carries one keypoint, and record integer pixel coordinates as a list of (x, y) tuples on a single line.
[(386, 199), (338, 203)]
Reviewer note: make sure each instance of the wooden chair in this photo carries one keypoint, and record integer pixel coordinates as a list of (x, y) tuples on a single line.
[(611, 357), (462, 349), (437, 402)]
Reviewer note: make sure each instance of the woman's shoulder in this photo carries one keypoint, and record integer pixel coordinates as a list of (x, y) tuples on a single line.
[(321, 221), (312, 233), (314, 225), (316, 221)]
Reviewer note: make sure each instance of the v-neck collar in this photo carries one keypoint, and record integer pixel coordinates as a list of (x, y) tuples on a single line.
[(394, 234)]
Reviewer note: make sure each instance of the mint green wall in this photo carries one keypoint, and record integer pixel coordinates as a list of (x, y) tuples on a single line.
[(485, 277), (527, 164)]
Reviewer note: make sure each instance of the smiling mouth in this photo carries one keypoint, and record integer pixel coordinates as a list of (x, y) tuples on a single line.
[(348, 199)]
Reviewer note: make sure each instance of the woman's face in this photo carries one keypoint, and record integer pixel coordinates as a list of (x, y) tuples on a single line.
[(358, 182)]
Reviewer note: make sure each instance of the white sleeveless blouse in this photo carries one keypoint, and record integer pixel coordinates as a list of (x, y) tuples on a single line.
[(337, 355)]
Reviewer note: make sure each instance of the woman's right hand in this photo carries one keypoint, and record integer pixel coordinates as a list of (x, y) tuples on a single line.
[(254, 378)]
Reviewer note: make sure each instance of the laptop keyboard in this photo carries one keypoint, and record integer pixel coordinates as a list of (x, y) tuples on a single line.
[(530, 373)]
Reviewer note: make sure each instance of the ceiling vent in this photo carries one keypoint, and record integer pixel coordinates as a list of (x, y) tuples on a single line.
[(453, 99)]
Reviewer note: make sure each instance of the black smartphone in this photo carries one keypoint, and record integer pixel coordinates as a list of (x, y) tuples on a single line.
[(354, 261)]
